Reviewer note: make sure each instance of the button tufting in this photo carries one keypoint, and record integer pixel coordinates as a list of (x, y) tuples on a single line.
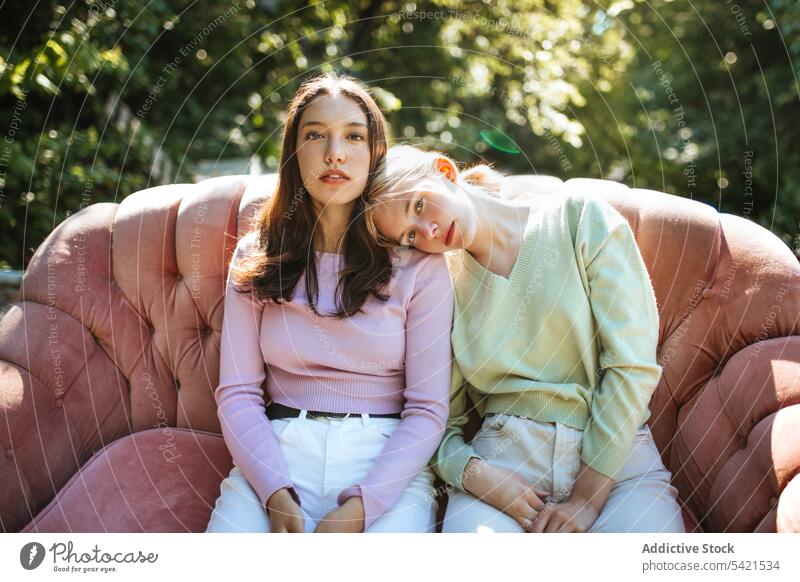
[(178, 278), (706, 293), (9, 453), (743, 444), (60, 402), (773, 501)]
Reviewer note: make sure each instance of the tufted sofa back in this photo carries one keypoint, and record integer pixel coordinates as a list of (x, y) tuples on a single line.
[(119, 327)]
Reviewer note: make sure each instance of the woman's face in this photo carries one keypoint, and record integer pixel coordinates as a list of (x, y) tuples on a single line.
[(333, 149), (433, 217)]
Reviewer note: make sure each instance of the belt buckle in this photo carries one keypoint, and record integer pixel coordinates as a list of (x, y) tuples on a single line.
[(324, 415)]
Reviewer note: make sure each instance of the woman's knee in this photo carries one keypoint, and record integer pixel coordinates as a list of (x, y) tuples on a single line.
[(414, 512), (643, 506), (238, 508), (406, 518), (467, 514)]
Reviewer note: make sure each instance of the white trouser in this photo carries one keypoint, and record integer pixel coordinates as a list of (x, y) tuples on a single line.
[(547, 454), (324, 456)]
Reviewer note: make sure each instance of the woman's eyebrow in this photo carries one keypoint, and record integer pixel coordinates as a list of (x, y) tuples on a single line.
[(349, 123)]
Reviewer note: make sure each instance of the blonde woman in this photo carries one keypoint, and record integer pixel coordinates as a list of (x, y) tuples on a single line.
[(554, 337)]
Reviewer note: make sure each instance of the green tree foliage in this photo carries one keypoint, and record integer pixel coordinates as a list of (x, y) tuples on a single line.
[(103, 98), (707, 109)]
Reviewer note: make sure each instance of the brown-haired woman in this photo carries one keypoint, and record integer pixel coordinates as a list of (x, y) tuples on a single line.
[(355, 338)]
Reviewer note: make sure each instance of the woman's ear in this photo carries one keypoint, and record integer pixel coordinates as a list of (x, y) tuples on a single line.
[(447, 169)]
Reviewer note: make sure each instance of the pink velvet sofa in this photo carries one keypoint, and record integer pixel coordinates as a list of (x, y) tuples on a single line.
[(109, 362)]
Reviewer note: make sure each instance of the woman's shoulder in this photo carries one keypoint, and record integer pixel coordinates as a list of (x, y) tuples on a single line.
[(571, 210), (238, 268), (247, 242), (246, 246), (593, 203), (412, 264), (584, 219), (411, 258)]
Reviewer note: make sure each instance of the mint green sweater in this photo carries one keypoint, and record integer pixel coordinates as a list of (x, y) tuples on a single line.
[(569, 337)]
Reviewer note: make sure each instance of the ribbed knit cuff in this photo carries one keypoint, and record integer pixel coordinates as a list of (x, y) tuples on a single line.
[(606, 453), (604, 456), (451, 468), (291, 491), (371, 511)]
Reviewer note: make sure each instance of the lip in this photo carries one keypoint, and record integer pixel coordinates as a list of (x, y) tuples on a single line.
[(448, 238), (333, 177)]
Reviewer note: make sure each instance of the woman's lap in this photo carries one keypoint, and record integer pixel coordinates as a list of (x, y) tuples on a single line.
[(467, 514), (238, 509), (320, 467), (414, 512), (643, 499), (548, 454)]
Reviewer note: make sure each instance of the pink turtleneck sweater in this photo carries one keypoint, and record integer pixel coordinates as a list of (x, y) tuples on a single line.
[(394, 356)]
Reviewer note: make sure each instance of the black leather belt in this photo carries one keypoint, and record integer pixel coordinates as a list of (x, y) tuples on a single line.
[(276, 410)]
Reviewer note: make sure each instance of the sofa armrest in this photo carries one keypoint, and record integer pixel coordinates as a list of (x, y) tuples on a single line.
[(735, 455), (61, 399)]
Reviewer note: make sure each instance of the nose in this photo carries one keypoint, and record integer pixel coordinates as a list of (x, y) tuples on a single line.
[(334, 153), (431, 230)]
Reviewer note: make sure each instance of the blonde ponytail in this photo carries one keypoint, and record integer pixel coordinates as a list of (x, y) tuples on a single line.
[(484, 177)]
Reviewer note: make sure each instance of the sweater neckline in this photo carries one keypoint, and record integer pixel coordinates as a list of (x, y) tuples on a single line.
[(519, 271), (326, 254)]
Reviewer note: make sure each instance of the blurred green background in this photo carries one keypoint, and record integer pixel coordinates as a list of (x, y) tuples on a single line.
[(101, 99)]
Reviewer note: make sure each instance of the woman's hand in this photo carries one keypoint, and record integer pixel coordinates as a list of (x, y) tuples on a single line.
[(581, 510), (573, 516), (503, 489), (285, 516), (349, 518)]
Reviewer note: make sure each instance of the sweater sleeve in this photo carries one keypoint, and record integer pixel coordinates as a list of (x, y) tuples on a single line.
[(454, 453), (624, 308), (413, 443), (240, 400)]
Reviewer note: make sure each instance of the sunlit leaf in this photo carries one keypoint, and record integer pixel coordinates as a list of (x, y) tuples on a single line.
[(46, 84), (499, 141)]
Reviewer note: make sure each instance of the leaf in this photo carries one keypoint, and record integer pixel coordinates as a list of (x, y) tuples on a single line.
[(499, 141), (47, 84), (386, 99), (61, 55)]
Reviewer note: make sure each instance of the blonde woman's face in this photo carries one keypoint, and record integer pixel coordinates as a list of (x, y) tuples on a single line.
[(333, 150), (432, 217)]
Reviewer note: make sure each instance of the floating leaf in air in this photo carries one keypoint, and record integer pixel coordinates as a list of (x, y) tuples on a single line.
[(499, 141)]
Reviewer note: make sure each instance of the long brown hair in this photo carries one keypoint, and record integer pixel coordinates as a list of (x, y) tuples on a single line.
[(285, 223)]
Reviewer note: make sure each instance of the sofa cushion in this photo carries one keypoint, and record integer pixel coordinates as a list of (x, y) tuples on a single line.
[(159, 480)]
